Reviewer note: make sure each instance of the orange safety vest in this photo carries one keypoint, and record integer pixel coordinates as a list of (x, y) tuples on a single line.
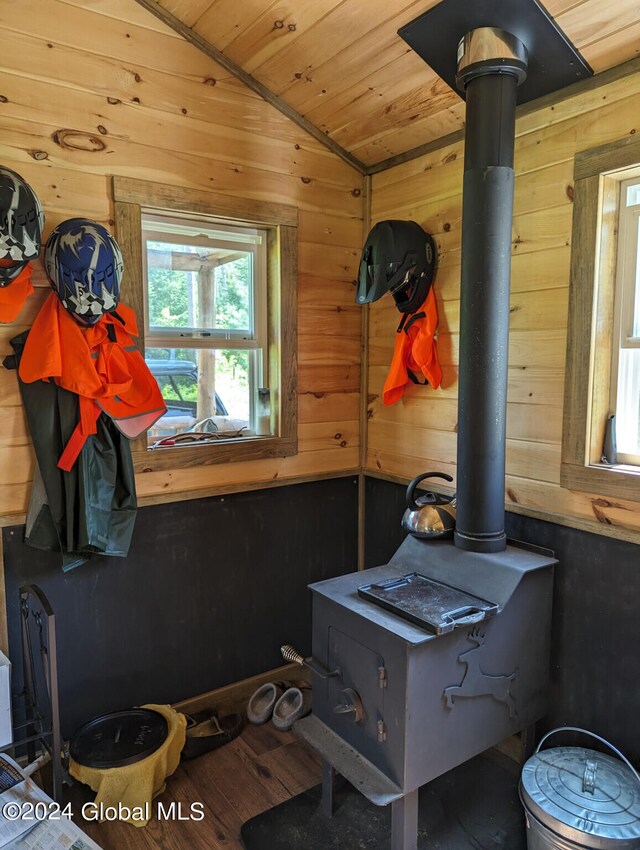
[(13, 296), (100, 364), (415, 351)]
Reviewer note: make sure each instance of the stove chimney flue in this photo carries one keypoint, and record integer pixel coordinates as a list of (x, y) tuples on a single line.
[(491, 65)]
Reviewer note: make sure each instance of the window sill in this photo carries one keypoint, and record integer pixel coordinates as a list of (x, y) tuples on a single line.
[(619, 480), (627, 468), (184, 440), (218, 451)]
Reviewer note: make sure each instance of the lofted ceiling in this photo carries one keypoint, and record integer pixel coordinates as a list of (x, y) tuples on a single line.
[(341, 65)]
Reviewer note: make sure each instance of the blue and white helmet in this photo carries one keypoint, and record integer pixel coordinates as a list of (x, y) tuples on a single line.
[(84, 266), (21, 223)]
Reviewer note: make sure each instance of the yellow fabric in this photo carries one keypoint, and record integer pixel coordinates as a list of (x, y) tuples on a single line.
[(137, 784)]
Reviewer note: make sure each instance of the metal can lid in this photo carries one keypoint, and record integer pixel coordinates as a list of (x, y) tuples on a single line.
[(577, 793), (119, 738)]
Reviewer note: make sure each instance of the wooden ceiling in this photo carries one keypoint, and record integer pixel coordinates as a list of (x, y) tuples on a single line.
[(341, 65)]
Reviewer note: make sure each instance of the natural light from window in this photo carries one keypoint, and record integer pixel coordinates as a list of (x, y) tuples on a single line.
[(205, 333), (625, 395)]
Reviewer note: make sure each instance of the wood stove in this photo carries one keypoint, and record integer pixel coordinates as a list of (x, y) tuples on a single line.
[(443, 652), (395, 704)]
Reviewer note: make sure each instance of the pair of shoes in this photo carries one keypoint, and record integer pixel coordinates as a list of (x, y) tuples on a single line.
[(283, 708), (207, 731)]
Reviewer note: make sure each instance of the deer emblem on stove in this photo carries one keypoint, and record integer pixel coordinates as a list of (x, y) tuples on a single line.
[(476, 683)]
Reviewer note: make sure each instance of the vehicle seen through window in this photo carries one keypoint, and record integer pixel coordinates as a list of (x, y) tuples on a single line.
[(178, 382)]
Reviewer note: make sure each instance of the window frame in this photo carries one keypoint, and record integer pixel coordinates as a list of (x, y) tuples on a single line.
[(598, 174), (131, 198)]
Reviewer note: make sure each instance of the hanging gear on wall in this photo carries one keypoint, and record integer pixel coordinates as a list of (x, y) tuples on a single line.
[(91, 509), (400, 257), (414, 353), (79, 340), (84, 266), (21, 223), (86, 388), (100, 364)]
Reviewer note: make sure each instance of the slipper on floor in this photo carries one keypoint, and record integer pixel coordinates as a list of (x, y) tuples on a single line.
[(292, 705), (262, 703), (208, 732)]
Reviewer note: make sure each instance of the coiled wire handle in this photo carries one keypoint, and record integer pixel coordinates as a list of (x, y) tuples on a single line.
[(291, 654), (592, 735)]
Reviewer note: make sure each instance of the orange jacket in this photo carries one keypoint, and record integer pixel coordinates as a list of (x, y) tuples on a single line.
[(100, 364), (13, 296), (415, 351)]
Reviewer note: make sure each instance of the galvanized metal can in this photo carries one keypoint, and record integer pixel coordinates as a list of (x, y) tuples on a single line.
[(577, 798)]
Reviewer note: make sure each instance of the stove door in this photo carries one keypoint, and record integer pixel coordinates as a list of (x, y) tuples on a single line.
[(355, 701)]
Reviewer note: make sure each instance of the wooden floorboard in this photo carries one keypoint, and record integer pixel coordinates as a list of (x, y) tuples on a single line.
[(261, 768), (292, 765)]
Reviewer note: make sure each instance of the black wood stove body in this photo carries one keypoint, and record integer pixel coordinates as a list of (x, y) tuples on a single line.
[(395, 703)]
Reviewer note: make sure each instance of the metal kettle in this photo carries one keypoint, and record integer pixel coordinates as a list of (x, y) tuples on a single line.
[(430, 515)]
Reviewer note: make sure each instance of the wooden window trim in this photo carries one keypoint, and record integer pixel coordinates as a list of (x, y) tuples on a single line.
[(281, 222), (597, 174)]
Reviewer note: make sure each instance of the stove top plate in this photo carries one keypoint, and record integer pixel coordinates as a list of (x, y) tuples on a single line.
[(430, 604)]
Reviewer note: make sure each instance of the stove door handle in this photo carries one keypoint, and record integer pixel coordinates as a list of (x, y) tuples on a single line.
[(352, 705)]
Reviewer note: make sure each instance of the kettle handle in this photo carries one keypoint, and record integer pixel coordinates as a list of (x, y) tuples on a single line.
[(411, 502)]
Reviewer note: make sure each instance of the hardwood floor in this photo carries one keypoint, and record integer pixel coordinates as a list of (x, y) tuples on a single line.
[(258, 770)]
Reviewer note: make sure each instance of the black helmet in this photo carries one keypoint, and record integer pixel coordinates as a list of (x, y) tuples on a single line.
[(21, 222), (398, 257)]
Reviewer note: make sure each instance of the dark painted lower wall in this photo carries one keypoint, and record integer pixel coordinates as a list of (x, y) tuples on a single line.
[(209, 592), (595, 638)]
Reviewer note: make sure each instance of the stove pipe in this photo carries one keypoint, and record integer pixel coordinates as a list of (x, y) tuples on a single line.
[(491, 65)]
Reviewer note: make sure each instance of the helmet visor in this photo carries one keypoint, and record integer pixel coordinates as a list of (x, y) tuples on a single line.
[(373, 280)]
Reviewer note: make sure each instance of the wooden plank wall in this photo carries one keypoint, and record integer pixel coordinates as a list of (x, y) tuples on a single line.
[(93, 88), (419, 433)]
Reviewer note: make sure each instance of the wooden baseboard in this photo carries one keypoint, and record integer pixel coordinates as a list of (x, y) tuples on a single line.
[(234, 697)]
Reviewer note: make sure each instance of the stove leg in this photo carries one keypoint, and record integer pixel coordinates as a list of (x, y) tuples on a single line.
[(527, 742), (404, 822), (328, 775)]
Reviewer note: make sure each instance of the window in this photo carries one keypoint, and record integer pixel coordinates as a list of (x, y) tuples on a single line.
[(213, 281), (603, 345), (625, 377), (206, 326)]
